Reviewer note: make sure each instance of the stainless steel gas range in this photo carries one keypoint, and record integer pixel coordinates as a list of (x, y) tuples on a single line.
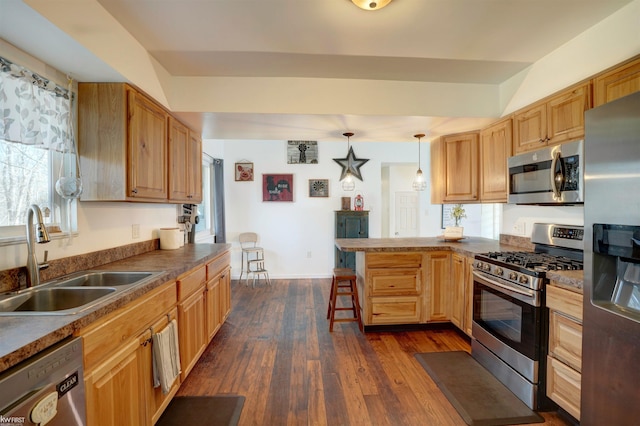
[(510, 322)]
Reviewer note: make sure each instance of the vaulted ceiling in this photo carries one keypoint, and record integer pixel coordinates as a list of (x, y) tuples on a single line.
[(306, 69)]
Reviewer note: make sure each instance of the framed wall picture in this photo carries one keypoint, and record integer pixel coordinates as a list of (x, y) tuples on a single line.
[(244, 172), (302, 152), (318, 187), (277, 187)]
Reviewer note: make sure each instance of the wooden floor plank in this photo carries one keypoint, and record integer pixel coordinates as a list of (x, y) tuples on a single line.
[(276, 350)]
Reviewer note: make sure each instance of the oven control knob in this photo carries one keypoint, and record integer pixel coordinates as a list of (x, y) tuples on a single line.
[(524, 279), (487, 267), (479, 265), (499, 271), (513, 276)]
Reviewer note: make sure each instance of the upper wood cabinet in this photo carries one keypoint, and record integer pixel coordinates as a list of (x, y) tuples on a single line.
[(557, 119), (185, 164), (124, 146), (437, 172), (147, 173), (194, 168), (617, 82), (460, 160), (495, 149)]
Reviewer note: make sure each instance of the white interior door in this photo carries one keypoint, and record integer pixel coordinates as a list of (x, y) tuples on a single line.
[(406, 214)]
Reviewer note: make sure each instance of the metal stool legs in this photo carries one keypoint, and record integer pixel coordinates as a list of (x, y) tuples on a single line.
[(344, 284), (256, 268)]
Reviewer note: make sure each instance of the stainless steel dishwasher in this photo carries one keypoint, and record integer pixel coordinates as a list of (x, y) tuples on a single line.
[(47, 389)]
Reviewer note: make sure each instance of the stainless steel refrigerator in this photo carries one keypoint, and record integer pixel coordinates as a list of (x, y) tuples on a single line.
[(611, 328)]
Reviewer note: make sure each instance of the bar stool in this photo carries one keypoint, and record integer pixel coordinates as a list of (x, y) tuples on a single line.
[(344, 284)]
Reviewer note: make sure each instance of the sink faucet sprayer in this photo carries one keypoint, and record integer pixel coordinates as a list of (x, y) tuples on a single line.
[(41, 236)]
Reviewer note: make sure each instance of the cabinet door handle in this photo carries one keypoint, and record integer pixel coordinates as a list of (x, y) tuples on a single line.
[(134, 191)]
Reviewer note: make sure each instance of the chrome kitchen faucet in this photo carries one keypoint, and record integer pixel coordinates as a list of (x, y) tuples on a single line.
[(41, 236)]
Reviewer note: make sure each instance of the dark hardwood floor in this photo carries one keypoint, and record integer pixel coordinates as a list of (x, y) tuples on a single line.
[(276, 350)]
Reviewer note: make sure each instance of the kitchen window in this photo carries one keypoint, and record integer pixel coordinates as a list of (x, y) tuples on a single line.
[(36, 152), (205, 226)]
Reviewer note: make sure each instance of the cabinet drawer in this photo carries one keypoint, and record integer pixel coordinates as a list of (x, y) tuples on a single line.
[(565, 339), (399, 281), (191, 282), (565, 301), (563, 386), (395, 310), (218, 264), (105, 336), (394, 260)]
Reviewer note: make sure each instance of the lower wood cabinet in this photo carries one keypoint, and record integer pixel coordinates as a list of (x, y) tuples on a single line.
[(438, 294), (118, 381), (564, 361), (462, 292), (156, 401), (416, 287), (392, 287), (468, 301), (114, 390), (395, 310), (404, 287), (213, 310), (217, 294), (191, 314), (458, 281), (118, 352)]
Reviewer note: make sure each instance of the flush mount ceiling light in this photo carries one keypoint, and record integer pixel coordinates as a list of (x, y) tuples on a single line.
[(350, 166), (419, 182), (371, 4)]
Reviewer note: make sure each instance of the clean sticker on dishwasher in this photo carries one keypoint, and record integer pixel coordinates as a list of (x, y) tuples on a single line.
[(67, 384)]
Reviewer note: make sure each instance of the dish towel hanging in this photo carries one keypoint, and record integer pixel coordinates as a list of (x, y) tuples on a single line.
[(166, 357)]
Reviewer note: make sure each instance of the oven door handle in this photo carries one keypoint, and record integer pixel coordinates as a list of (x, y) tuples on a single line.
[(528, 297)]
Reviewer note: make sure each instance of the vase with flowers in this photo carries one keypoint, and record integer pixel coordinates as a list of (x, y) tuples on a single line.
[(455, 232)]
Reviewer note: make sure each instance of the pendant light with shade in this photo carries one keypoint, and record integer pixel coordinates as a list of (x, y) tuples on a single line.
[(419, 182), (347, 183)]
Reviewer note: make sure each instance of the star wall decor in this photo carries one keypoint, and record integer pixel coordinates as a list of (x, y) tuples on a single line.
[(351, 164)]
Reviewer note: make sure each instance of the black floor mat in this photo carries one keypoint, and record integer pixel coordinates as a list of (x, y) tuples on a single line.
[(219, 410), (479, 398)]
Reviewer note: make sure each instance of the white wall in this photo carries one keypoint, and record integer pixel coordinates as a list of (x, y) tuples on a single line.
[(298, 237), (100, 226), (518, 220)]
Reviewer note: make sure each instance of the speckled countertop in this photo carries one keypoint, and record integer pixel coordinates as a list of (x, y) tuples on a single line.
[(571, 280), (467, 246), (24, 336)]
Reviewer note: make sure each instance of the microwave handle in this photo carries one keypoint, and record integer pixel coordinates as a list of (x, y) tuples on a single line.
[(556, 178)]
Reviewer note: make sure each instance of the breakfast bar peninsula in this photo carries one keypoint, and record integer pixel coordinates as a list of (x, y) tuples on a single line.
[(416, 281)]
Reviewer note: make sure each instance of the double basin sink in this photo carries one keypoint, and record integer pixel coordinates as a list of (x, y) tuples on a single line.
[(71, 294)]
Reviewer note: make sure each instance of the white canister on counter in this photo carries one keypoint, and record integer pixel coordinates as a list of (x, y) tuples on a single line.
[(170, 238)]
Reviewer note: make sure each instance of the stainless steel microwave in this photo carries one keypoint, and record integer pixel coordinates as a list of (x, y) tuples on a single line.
[(552, 175)]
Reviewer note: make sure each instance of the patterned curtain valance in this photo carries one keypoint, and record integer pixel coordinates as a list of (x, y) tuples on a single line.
[(33, 110)]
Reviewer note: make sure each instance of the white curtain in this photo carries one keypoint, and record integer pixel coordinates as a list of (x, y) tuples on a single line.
[(33, 110)]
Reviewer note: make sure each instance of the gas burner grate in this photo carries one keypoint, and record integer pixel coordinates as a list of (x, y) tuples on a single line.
[(539, 262)]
